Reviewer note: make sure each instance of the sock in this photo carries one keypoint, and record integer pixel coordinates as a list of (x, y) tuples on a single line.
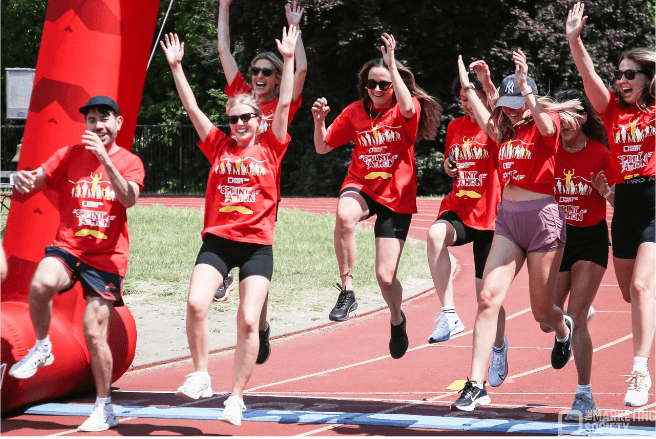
[(477, 385), (640, 363), (446, 309), (103, 401), (44, 344), (584, 388), (563, 340)]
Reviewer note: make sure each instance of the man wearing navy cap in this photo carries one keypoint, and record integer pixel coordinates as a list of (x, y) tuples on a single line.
[(96, 181)]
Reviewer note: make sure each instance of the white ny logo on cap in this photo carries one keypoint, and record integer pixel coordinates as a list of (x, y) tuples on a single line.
[(510, 87)]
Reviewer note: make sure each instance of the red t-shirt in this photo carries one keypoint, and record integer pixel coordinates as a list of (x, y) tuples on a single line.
[(240, 202), (240, 86), (631, 135), (581, 202), (476, 191), (383, 161), (528, 160), (93, 223)]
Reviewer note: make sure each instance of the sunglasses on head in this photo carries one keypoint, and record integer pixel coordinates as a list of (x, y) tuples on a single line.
[(382, 85), (564, 95), (266, 71), (628, 74), (244, 118)]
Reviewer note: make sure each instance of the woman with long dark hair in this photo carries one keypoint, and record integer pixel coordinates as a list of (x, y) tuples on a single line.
[(393, 114), (628, 114), (582, 162)]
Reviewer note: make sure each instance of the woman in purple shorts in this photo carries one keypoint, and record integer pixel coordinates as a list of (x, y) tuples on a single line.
[(530, 225)]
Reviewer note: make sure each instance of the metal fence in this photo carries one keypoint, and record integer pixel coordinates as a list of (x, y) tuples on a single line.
[(173, 162)]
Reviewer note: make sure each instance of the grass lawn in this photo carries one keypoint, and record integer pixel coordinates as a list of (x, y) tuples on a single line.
[(166, 240)]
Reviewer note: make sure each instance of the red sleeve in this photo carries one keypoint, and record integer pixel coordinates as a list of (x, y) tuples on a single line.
[(134, 171), (412, 124), (341, 131), (612, 104), (212, 143), (55, 167), (238, 86), (277, 147)]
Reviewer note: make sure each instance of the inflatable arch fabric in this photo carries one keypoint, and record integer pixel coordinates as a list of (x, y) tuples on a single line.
[(88, 47)]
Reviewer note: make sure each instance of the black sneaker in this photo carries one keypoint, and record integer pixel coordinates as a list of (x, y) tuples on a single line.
[(398, 344), (345, 304), (470, 397), (228, 285), (562, 351), (265, 347)]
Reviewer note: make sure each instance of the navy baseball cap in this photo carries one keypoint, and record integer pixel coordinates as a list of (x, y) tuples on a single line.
[(510, 95), (100, 101)]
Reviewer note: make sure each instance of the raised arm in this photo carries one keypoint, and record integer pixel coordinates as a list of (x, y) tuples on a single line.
[(174, 51), (593, 84), (540, 116), (228, 62), (484, 77), (286, 47), (481, 112), (403, 96), (294, 13), (320, 110)]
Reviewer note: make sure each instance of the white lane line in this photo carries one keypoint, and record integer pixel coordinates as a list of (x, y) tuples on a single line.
[(607, 345), (361, 363), (63, 433)]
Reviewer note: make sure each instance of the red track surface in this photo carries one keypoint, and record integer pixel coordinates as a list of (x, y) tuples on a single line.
[(346, 367)]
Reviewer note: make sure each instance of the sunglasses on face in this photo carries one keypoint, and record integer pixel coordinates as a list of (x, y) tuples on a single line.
[(244, 118), (266, 71), (382, 85), (628, 74), (565, 95)]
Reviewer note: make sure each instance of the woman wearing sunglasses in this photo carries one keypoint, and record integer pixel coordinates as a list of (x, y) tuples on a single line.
[(266, 67), (382, 178), (240, 211), (530, 226), (628, 114), (582, 164), (266, 71)]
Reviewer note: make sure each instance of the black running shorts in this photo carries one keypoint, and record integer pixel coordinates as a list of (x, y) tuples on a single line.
[(389, 224), (482, 240), (225, 254), (586, 244), (107, 285), (633, 217)]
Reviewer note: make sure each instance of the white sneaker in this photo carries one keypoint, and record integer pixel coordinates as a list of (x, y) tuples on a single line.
[(197, 385), (102, 418), (232, 411), (448, 325), (639, 385), (31, 362), (498, 369)]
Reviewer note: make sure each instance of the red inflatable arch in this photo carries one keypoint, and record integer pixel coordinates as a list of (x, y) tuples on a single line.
[(88, 47)]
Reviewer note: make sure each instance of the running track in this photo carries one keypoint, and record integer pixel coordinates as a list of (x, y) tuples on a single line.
[(340, 380)]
